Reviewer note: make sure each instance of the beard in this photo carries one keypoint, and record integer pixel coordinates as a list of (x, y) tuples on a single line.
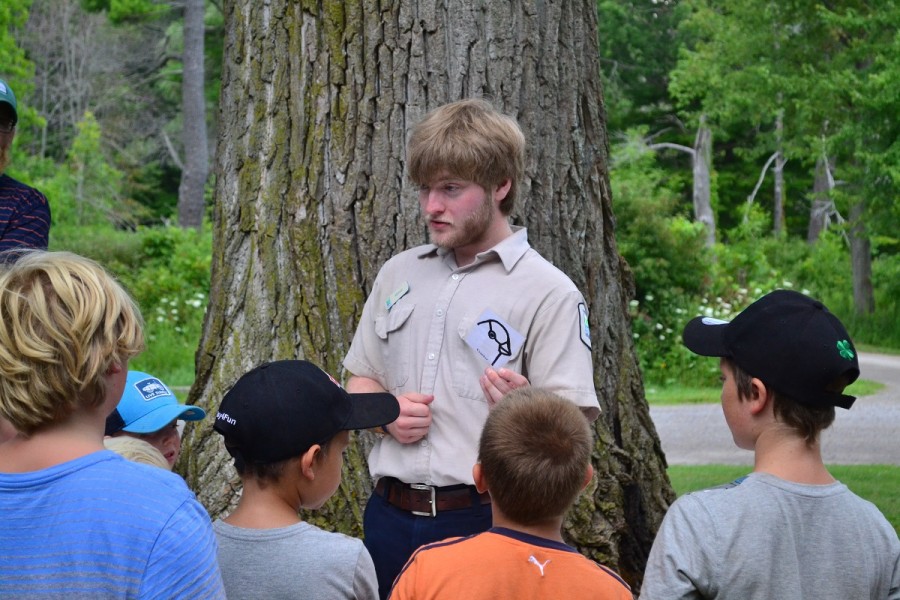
[(472, 229)]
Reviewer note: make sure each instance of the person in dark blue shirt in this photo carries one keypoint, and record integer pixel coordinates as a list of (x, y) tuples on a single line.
[(24, 211)]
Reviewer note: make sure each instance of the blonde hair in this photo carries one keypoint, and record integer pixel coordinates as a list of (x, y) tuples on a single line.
[(534, 451), (137, 450), (63, 321), (469, 139)]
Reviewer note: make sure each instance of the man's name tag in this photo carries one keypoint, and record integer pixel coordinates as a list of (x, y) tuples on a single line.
[(398, 293), (494, 339)]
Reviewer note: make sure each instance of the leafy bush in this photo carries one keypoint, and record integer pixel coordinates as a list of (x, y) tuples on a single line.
[(166, 270), (663, 246), (666, 253), (752, 264)]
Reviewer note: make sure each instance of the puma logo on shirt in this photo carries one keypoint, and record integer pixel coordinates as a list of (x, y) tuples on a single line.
[(539, 565)]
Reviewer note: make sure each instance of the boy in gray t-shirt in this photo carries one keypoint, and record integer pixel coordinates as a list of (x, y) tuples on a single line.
[(286, 424), (788, 530)]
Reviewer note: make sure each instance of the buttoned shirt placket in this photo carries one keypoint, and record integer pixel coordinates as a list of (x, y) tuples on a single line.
[(435, 341)]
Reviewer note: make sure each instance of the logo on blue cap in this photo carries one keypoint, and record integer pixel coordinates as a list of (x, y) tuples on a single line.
[(151, 388)]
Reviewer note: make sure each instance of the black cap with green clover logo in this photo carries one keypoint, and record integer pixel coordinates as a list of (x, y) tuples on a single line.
[(789, 341)]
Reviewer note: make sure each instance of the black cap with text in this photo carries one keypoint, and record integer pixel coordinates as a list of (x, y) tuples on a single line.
[(280, 409)]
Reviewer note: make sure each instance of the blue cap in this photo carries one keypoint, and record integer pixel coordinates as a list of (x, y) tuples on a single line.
[(147, 405), (8, 97)]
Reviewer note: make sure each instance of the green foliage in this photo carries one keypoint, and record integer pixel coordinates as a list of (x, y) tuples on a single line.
[(829, 70), (16, 69), (167, 271), (169, 277), (121, 11), (150, 173), (86, 190), (665, 252), (750, 265), (638, 42), (663, 247)]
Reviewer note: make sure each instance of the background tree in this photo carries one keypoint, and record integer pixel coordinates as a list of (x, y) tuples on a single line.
[(795, 74), (639, 42), (16, 69), (311, 199), (195, 168), (701, 167)]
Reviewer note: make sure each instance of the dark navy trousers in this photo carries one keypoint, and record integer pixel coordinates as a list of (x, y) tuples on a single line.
[(392, 535)]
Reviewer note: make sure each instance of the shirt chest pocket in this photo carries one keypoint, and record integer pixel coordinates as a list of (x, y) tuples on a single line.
[(469, 363), (396, 334)]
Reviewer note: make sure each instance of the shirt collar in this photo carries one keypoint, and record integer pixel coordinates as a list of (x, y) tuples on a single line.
[(509, 251)]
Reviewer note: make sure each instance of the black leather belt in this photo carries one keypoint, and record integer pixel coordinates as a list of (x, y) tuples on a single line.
[(428, 500)]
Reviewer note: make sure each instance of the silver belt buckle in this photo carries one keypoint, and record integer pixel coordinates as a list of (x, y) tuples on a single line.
[(423, 487)]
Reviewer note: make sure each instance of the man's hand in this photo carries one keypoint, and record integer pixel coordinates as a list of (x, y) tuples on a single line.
[(415, 414), (414, 420), (497, 383)]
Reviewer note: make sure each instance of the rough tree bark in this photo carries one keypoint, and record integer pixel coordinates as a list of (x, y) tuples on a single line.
[(193, 115), (317, 99)]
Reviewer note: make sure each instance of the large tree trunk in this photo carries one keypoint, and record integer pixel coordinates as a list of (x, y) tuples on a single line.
[(193, 117), (311, 199)]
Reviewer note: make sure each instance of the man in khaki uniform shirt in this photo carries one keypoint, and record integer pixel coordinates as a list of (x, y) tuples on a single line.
[(451, 327)]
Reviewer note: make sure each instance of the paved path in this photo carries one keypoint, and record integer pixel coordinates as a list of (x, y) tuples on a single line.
[(868, 433)]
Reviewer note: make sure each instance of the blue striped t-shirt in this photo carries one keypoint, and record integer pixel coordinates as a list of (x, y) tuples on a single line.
[(104, 527)]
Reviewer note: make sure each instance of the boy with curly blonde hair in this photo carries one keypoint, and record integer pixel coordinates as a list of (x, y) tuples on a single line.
[(79, 520)]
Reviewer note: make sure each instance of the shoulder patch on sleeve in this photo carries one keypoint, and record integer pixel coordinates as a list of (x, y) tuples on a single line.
[(584, 328)]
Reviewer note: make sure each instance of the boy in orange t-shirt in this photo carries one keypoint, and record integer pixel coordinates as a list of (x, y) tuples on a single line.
[(534, 458)]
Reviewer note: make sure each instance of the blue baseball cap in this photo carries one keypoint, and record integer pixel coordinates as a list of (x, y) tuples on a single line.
[(147, 405), (8, 97)]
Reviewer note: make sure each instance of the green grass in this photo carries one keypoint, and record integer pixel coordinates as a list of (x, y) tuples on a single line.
[(660, 396), (876, 483), (676, 394), (878, 349)]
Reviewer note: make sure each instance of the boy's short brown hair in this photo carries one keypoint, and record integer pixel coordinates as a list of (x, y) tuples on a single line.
[(534, 452), (471, 140), (267, 474), (63, 322), (808, 421)]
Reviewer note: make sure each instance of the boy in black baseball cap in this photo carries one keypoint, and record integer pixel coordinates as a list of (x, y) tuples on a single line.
[(789, 529), (286, 424)]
